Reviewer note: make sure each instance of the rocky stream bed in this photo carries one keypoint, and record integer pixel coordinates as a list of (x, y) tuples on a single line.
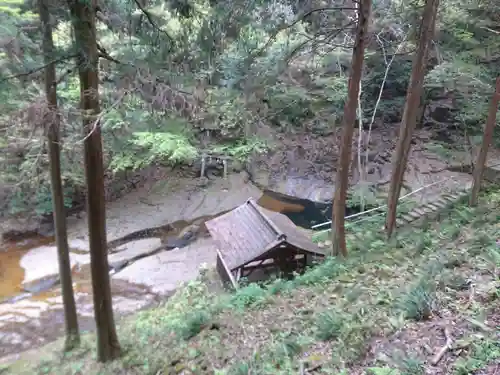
[(31, 319)]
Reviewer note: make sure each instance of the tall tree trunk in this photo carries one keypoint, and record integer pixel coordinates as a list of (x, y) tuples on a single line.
[(483, 152), (83, 19), (59, 212), (414, 93), (341, 186)]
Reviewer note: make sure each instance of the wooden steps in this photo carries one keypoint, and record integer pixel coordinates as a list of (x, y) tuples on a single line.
[(432, 208)]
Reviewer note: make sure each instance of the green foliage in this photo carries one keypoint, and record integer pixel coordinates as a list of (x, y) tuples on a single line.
[(194, 324), (470, 85), (329, 325), (41, 201), (255, 67), (382, 371), (409, 365), (483, 353), (419, 302), (251, 295), (155, 148), (288, 331), (241, 150)]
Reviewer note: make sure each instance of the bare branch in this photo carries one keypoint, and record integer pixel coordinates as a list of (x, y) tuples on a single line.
[(101, 115), (449, 342), (38, 69), (105, 55), (151, 21), (332, 36)]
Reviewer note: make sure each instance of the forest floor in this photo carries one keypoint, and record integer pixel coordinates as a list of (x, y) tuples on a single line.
[(427, 302)]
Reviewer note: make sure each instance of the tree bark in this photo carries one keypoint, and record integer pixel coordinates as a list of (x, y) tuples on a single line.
[(413, 95), (342, 180), (487, 138), (59, 212), (83, 14)]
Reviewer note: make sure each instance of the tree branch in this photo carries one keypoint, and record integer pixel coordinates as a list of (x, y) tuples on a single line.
[(439, 355), (151, 21), (331, 36), (105, 55), (38, 69)]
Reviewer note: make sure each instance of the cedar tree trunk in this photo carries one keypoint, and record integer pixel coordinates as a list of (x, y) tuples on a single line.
[(483, 152), (413, 95), (53, 121), (83, 14), (341, 186)]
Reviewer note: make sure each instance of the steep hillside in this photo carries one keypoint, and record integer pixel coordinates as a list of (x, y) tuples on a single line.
[(425, 303)]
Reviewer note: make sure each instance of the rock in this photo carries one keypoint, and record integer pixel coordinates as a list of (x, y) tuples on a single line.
[(164, 271), (41, 285), (118, 265), (311, 189), (236, 166), (203, 182), (15, 235), (15, 299), (174, 243), (131, 250), (42, 262), (46, 230), (189, 232)]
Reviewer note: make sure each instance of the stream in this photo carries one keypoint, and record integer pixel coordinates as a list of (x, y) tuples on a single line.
[(31, 311)]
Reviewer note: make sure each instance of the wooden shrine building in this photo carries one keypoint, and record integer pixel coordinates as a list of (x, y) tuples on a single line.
[(255, 243)]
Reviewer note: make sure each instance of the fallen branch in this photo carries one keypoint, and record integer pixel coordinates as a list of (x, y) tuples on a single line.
[(304, 369), (447, 346)]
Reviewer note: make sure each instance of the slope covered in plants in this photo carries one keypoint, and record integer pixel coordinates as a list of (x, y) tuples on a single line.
[(390, 308)]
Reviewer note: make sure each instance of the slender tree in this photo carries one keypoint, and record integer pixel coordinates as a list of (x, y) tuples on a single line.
[(52, 121), (339, 202), (487, 138), (83, 15), (413, 95)]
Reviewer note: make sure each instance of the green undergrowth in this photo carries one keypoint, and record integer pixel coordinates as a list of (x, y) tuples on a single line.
[(383, 310)]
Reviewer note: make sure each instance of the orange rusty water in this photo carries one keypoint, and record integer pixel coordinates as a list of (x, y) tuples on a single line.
[(276, 205), (11, 272)]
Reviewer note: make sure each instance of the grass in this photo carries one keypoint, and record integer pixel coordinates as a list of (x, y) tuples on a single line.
[(383, 310)]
